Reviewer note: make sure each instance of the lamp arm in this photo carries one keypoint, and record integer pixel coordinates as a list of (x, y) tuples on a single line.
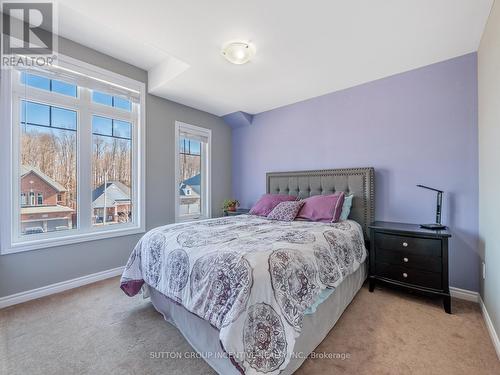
[(439, 204), (429, 188)]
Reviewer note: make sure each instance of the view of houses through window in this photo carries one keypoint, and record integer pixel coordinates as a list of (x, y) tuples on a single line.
[(190, 172), (111, 171), (48, 168), (48, 159)]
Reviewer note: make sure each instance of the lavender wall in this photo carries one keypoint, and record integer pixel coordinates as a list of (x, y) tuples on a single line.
[(415, 127)]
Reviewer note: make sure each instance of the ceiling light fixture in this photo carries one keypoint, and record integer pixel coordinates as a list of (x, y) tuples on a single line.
[(238, 52)]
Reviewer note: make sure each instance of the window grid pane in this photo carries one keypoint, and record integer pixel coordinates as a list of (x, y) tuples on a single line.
[(111, 101), (190, 168), (102, 125), (101, 98), (111, 171), (47, 169), (64, 88), (44, 83), (122, 103)]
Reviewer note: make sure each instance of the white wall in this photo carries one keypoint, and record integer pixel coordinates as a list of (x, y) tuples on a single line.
[(489, 162)]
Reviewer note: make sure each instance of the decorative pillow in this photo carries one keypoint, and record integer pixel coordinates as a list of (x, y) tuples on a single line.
[(268, 201), (346, 207), (325, 208), (286, 211)]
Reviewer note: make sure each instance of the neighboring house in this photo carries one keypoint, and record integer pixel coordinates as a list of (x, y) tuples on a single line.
[(115, 199), (43, 203), (191, 187), (189, 193)]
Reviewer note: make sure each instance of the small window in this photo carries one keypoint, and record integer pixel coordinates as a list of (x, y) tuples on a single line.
[(39, 199), (193, 172), (122, 103), (63, 88), (44, 83), (111, 128), (36, 114), (111, 100), (101, 98), (24, 201), (33, 80), (32, 199), (122, 129), (102, 126), (63, 118)]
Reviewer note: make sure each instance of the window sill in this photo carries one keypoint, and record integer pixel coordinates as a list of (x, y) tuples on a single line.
[(185, 219), (69, 239)]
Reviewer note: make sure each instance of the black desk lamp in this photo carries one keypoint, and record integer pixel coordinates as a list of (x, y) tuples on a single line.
[(437, 225)]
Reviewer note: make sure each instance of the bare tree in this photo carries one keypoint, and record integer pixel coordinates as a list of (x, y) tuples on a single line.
[(54, 153)]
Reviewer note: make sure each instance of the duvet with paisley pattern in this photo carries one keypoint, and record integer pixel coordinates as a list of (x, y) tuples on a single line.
[(250, 277)]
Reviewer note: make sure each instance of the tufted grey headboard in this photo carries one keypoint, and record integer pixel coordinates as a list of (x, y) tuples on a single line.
[(357, 181)]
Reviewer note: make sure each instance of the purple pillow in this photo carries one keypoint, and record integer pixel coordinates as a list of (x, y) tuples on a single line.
[(286, 211), (267, 203), (326, 208)]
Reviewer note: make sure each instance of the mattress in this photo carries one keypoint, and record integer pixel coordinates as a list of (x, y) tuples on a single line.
[(204, 338)]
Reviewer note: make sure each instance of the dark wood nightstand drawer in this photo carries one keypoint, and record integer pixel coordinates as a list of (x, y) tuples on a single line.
[(411, 245), (410, 257), (410, 276), (410, 260)]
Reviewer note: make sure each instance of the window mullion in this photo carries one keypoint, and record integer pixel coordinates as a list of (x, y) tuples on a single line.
[(16, 145), (84, 171)]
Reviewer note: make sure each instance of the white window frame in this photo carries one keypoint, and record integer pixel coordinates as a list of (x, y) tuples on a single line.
[(11, 240), (206, 178)]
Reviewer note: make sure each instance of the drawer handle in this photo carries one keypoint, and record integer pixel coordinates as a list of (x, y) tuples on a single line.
[(405, 260), (405, 275), (405, 244)]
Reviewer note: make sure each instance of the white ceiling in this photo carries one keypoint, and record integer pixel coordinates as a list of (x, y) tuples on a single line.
[(304, 48)]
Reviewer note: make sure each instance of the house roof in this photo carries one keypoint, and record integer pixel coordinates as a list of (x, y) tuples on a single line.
[(25, 170), (193, 182), (194, 191), (31, 210), (116, 192)]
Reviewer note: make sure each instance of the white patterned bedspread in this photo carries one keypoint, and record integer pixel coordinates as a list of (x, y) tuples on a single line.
[(250, 277)]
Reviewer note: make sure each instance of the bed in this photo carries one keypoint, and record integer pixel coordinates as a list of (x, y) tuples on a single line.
[(253, 295)]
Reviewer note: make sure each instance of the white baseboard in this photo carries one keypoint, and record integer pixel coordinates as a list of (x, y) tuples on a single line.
[(29, 295), (489, 326), (467, 295)]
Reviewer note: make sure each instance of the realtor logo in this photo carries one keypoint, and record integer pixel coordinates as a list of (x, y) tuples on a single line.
[(29, 37), (27, 28)]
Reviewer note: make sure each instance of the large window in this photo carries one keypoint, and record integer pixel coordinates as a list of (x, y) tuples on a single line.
[(75, 154), (192, 172)]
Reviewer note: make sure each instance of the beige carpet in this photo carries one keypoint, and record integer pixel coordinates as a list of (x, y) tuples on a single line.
[(98, 330)]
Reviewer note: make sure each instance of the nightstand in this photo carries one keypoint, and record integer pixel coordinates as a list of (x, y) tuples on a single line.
[(410, 257), (239, 211)]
